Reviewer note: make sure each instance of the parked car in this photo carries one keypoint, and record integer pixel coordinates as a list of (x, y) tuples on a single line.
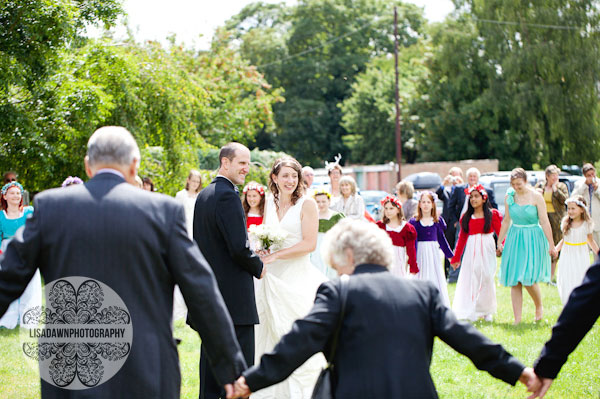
[(424, 180), (500, 183), (372, 200)]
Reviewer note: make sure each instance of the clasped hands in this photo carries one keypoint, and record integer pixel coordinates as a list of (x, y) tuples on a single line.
[(534, 383), (239, 389)]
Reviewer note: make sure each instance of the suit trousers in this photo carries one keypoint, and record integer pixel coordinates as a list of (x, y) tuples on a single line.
[(209, 387)]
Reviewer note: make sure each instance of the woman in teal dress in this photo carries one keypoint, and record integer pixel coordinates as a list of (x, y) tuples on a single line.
[(327, 219), (529, 244), (12, 217)]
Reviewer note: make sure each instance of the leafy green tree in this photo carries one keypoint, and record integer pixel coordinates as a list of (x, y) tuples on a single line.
[(463, 110), (546, 55), (314, 51), (369, 115)]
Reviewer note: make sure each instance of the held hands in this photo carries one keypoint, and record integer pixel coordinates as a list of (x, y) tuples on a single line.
[(553, 252), (455, 265), (534, 383), (499, 250), (239, 390)]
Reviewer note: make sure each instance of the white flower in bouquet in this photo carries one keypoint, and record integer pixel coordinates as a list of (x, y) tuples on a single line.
[(267, 238)]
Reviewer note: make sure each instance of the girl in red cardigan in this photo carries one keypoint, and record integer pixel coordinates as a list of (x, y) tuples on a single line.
[(475, 295), (403, 237), (253, 202)]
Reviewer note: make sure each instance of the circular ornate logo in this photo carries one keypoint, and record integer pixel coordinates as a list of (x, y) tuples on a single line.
[(81, 337)]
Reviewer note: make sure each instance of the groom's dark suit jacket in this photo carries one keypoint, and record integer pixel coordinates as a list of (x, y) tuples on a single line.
[(135, 242), (386, 340), (220, 231)]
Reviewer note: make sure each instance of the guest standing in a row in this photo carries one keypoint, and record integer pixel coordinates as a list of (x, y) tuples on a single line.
[(187, 197), (350, 203), (405, 192), (403, 237), (589, 189), (13, 217), (458, 205), (574, 261), (430, 238), (327, 219), (555, 193), (529, 244), (253, 202), (475, 295)]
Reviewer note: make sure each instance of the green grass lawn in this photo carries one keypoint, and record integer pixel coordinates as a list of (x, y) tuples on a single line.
[(454, 375)]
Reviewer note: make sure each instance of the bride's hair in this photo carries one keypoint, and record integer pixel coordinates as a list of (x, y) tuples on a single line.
[(290, 163)]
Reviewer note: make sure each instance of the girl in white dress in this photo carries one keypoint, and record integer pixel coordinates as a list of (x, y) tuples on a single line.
[(287, 291), (574, 261), (475, 295)]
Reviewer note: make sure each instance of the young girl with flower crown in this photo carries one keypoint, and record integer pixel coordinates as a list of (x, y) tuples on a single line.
[(475, 295), (574, 261), (403, 237), (430, 229), (253, 202)]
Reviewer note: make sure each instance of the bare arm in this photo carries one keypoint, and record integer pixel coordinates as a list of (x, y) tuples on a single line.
[(560, 245), (504, 227), (592, 243), (310, 229)]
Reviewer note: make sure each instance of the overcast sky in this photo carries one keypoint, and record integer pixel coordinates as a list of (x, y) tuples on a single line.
[(188, 19)]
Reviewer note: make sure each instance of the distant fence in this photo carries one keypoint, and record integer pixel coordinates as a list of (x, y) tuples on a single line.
[(384, 177)]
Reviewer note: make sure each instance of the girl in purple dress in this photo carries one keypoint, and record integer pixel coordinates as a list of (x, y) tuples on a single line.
[(430, 238)]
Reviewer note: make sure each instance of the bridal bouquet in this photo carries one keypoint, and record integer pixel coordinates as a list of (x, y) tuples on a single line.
[(266, 238)]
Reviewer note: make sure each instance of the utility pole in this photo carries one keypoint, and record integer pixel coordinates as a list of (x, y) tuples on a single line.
[(398, 131)]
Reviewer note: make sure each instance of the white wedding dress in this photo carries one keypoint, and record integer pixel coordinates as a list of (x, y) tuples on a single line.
[(286, 293)]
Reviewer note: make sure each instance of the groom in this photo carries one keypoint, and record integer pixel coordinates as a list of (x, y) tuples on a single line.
[(220, 231)]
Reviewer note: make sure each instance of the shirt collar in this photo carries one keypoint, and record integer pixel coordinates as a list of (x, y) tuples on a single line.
[(110, 170)]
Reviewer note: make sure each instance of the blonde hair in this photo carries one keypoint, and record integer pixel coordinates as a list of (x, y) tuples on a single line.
[(368, 243), (567, 221), (518, 173), (405, 188), (349, 180)]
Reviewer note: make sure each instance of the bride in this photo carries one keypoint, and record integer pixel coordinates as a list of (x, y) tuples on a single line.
[(287, 291)]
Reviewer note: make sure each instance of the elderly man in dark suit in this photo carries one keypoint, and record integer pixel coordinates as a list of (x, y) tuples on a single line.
[(388, 329), (220, 231), (135, 242), (577, 318)]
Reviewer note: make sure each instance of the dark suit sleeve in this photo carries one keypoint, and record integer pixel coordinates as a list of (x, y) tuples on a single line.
[(577, 318), (308, 336), (452, 205), (464, 338), (20, 260), (206, 306), (231, 222)]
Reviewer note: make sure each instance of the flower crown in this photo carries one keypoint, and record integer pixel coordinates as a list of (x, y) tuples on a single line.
[(322, 192), (254, 186), (12, 184), (576, 201), (393, 200), (71, 180), (479, 188), (431, 193)]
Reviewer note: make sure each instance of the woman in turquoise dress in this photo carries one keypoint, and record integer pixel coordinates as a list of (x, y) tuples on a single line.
[(529, 244), (327, 219), (12, 217)]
